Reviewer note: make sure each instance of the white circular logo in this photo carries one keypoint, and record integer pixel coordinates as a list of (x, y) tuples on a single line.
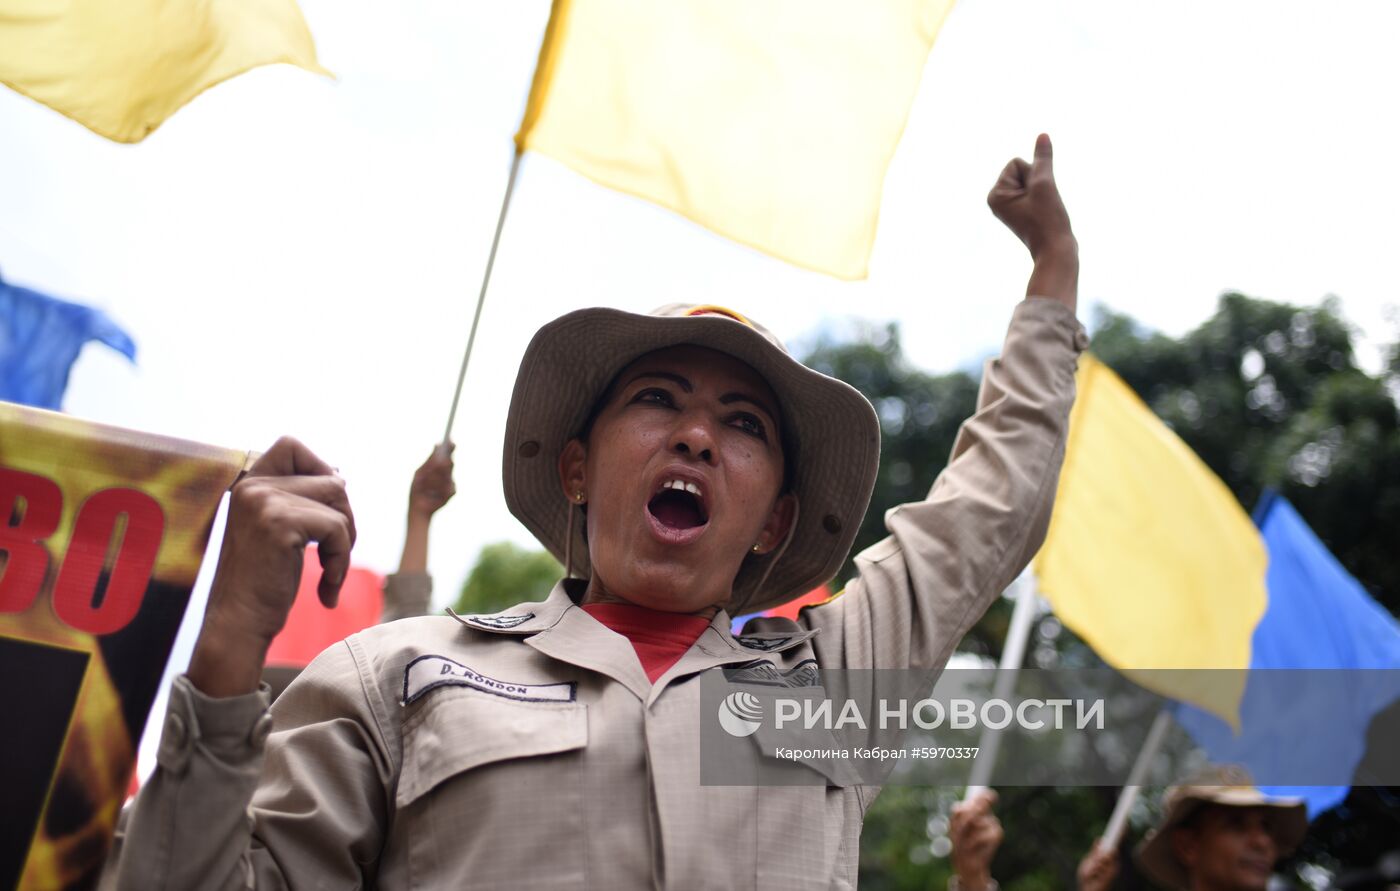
[(740, 713)]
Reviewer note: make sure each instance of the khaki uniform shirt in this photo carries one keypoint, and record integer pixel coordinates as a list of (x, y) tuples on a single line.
[(528, 749)]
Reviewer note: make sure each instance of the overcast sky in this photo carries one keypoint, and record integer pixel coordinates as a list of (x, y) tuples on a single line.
[(295, 254)]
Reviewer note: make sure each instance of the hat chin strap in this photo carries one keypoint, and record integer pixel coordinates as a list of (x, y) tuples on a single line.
[(569, 542), (777, 555)]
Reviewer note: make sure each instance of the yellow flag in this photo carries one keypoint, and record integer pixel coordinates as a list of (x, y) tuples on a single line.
[(1149, 558), (770, 122), (121, 67)]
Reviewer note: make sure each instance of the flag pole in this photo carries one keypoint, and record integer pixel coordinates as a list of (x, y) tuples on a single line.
[(1113, 833), (481, 298), (1013, 653)]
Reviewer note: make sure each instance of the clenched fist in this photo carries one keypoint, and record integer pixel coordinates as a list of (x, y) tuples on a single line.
[(289, 498), (1027, 200), (432, 485)]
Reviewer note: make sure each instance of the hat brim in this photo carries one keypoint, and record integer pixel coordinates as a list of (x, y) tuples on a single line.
[(1156, 858), (830, 427)]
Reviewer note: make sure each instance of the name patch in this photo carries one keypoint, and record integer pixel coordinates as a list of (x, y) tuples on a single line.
[(430, 672)]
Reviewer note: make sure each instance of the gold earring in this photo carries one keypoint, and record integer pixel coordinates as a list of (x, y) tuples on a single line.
[(578, 496), (756, 547)]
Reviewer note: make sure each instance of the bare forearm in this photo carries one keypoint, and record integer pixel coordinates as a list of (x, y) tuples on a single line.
[(1056, 274), (415, 544), (226, 660)]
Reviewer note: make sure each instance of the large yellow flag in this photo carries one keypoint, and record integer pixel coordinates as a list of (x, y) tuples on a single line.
[(770, 122), (121, 67), (1149, 558)]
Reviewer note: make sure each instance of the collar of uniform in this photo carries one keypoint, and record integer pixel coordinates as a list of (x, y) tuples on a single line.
[(569, 634), (717, 647), (523, 618), (719, 640), (764, 642), (558, 629)]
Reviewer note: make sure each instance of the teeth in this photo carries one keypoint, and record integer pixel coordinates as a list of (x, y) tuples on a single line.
[(682, 486)]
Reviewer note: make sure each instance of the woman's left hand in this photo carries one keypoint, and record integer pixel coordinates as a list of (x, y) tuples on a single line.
[(1027, 200)]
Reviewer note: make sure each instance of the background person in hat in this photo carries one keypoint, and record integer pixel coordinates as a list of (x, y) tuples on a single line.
[(683, 467), (1220, 833)]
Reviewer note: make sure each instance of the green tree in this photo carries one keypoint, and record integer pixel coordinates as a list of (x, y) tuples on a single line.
[(506, 574)]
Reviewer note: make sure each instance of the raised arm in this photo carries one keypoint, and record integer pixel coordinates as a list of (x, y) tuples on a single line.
[(289, 499), (409, 591), (948, 557)]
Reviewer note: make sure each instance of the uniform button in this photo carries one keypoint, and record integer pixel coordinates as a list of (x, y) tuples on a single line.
[(262, 727), (176, 733), (175, 744)]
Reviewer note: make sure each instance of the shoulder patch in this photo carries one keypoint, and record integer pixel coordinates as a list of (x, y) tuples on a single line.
[(498, 622), (430, 672)]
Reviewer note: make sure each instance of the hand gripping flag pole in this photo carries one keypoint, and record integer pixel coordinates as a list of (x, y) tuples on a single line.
[(481, 300)]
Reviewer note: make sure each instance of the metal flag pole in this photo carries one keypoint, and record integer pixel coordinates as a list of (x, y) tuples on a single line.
[(1012, 655), (481, 299), (1113, 833)]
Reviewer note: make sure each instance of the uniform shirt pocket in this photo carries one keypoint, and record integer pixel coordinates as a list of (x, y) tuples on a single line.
[(491, 791), (463, 730)]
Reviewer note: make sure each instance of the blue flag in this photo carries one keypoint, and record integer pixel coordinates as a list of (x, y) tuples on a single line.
[(40, 338), (1304, 726)]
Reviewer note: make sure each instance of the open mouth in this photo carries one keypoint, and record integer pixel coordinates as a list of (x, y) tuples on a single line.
[(677, 505)]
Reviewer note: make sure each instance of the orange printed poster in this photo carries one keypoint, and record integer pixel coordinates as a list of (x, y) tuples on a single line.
[(102, 532)]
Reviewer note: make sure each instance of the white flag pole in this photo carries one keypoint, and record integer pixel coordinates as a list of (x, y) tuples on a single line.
[(1013, 653), (481, 299), (1113, 833)]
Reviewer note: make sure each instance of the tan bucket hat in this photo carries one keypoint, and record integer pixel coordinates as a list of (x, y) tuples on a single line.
[(1231, 786), (831, 432)]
